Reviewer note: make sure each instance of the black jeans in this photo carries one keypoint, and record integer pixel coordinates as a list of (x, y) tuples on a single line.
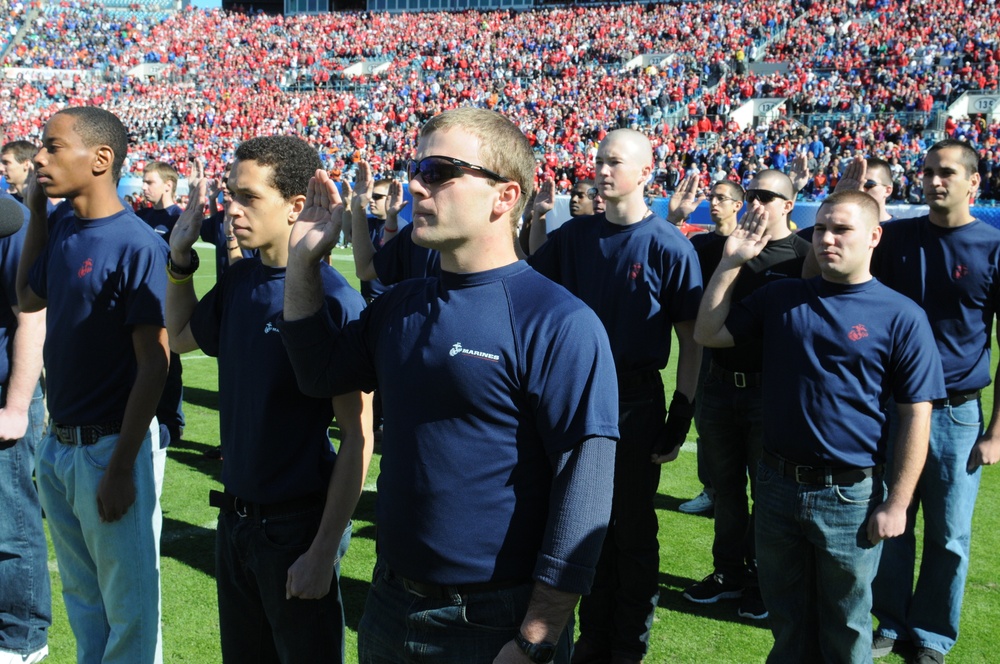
[(618, 613), (257, 624)]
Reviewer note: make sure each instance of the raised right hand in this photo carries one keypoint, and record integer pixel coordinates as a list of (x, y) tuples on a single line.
[(316, 230)]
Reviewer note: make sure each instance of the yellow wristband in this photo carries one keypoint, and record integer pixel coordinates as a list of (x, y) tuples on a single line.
[(179, 282)]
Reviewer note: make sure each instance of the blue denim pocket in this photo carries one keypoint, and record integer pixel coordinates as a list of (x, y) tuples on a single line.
[(502, 610), (961, 415), (99, 454)]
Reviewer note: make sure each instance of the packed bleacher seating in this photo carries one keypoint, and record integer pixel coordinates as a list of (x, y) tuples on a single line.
[(862, 75)]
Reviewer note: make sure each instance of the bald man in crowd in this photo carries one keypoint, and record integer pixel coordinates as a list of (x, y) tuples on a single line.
[(641, 276)]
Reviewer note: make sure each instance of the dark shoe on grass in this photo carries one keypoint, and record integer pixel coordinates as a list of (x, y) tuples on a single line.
[(713, 588), (928, 656)]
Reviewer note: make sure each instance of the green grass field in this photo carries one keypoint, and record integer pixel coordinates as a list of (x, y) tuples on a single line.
[(684, 632)]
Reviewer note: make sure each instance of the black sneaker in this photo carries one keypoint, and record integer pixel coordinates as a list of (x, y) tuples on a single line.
[(928, 656), (713, 588), (752, 604), (882, 645)]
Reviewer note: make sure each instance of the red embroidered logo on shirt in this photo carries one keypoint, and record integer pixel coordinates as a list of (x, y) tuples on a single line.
[(960, 271), (86, 268), (634, 272), (857, 333)]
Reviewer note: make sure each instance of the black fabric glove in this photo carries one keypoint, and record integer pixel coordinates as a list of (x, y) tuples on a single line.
[(675, 430)]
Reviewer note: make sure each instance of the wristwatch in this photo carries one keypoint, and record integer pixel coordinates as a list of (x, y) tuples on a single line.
[(539, 653), (184, 271)]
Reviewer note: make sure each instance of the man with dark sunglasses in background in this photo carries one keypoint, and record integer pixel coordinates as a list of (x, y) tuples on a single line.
[(731, 410), (640, 275), (498, 446)]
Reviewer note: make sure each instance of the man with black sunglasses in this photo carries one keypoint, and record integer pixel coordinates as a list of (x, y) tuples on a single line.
[(640, 275), (498, 446), (731, 409)]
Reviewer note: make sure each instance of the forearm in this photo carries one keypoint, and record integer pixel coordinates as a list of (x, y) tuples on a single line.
[(537, 235), (151, 374), (909, 453), (35, 240), (688, 359), (362, 248), (991, 428), (354, 417), (303, 290), (709, 328), (181, 302), (26, 361), (548, 613)]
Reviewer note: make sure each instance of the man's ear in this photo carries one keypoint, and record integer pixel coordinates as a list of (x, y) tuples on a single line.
[(104, 159), (297, 204), (508, 198)]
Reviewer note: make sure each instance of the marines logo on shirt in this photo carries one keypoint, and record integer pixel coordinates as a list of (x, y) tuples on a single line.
[(857, 333), (86, 268), (457, 349)]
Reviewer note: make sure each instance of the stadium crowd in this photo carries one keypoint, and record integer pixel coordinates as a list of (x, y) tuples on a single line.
[(558, 72), (549, 101)]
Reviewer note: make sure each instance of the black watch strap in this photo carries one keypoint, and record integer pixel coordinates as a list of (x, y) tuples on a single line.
[(540, 653), (184, 271)]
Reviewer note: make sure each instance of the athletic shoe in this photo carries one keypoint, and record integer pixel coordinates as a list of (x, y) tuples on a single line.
[(882, 645), (698, 505), (213, 453), (30, 658), (713, 588), (928, 656), (752, 604)]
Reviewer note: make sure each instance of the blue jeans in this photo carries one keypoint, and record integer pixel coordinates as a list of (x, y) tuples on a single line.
[(929, 615), (109, 571), (256, 622), (815, 565), (25, 594), (731, 434), (617, 615), (399, 627)]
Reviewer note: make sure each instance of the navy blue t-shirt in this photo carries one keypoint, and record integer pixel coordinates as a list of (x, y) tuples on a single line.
[(400, 259), (274, 438), (641, 279), (161, 221), (101, 277), (954, 274), (10, 256), (483, 377), (833, 356)]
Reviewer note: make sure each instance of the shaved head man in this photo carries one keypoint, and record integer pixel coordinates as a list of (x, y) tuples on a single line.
[(616, 263)]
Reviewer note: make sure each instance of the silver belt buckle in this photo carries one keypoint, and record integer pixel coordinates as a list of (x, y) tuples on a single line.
[(739, 379)]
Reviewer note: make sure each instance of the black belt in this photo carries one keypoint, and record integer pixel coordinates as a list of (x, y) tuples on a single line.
[(957, 399), (635, 379), (820, 475), (735, 378), (87, 434), (433, 591), (227, 502)]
